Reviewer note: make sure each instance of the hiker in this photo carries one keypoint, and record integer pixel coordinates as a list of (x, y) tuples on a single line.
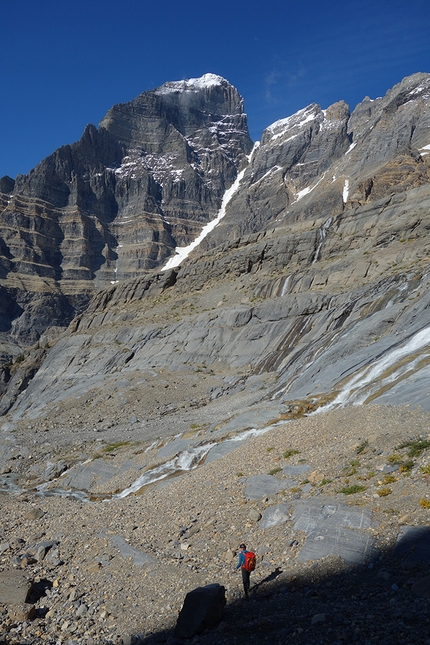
[(246, 564)]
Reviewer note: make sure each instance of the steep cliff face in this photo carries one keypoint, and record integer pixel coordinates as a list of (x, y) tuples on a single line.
[(321, 163), (312, 290), (116, 203)]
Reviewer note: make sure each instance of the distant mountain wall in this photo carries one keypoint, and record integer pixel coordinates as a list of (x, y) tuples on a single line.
[(315, 284)]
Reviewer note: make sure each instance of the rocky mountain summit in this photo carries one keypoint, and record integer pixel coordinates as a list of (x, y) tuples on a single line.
[(117, 202), (305, 306)]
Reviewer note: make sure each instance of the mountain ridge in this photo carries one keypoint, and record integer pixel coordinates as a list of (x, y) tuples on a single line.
[(287, 265)]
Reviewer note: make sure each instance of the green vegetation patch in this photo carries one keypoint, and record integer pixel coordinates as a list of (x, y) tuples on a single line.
[(395, 459), (384, 491), (352, 468), (362, 447), (416, 446), (274, 471), (407, 466), (389, 479), (113, 446), (351, 490), (289, 453)]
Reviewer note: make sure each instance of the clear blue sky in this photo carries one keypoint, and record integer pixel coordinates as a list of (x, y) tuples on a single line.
[(64, 64)]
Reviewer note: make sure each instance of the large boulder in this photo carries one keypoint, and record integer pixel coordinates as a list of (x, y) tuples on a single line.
[(203, 609), (275, 515), (413, 546), (15, 587), (260, 486)]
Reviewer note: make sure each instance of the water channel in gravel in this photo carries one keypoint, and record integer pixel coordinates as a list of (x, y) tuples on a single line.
[(184, 461)]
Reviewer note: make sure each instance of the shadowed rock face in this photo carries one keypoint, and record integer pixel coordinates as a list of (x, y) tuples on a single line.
[(317, 273)]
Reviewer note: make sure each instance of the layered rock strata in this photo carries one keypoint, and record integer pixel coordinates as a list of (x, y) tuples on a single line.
[(318, 271), (116, 203)]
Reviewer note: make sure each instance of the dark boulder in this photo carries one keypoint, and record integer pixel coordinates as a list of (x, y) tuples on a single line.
[(202, 609)]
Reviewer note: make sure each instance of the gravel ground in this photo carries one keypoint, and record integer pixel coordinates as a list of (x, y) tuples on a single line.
[(188, 528)]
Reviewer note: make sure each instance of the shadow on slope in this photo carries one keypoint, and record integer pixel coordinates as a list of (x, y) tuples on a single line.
[(380, 603)]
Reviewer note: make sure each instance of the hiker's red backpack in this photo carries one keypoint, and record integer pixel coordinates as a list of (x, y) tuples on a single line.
[(249, 561)]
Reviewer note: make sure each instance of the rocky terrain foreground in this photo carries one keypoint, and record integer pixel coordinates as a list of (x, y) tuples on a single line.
[(336, 506)]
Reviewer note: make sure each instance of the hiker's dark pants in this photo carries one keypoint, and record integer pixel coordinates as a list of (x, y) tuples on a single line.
[(246, 580)]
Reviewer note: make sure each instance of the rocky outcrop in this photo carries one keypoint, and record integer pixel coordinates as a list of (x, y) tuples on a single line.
[(318, 271), (203, 609), (116, 203), (321, 163)]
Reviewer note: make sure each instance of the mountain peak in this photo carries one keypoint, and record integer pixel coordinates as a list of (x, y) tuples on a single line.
[(192, 84)]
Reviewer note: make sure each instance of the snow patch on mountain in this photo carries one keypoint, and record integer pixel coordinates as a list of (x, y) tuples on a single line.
[(297, 120), (191, 85), (345, 192), (181, 253), (305, 191), (160, 166), (271, 171)]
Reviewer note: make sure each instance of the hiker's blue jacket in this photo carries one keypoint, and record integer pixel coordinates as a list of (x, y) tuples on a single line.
[(242, 559)]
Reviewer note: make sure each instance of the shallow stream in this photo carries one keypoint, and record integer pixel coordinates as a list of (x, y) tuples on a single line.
[(184, 460)]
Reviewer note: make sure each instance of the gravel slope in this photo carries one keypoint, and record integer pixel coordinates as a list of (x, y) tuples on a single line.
[(185, 533)]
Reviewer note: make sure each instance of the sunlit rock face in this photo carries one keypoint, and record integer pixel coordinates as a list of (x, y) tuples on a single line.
[(115, 204), (317, 274), (323, 163)]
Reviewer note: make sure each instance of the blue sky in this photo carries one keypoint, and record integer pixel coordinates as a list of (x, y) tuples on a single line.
[(63, 65)]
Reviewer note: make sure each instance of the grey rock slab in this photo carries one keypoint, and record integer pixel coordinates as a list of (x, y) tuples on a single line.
[(127, 465), (354, 547), (413, 545), (172, 448), (412, 391), (260, 486), (254, 515), (329, 513), (275, 515), (257, 418), (84, 476), (223, 448), (15, 587), (296, 470), (127, 551), (333, 528)]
